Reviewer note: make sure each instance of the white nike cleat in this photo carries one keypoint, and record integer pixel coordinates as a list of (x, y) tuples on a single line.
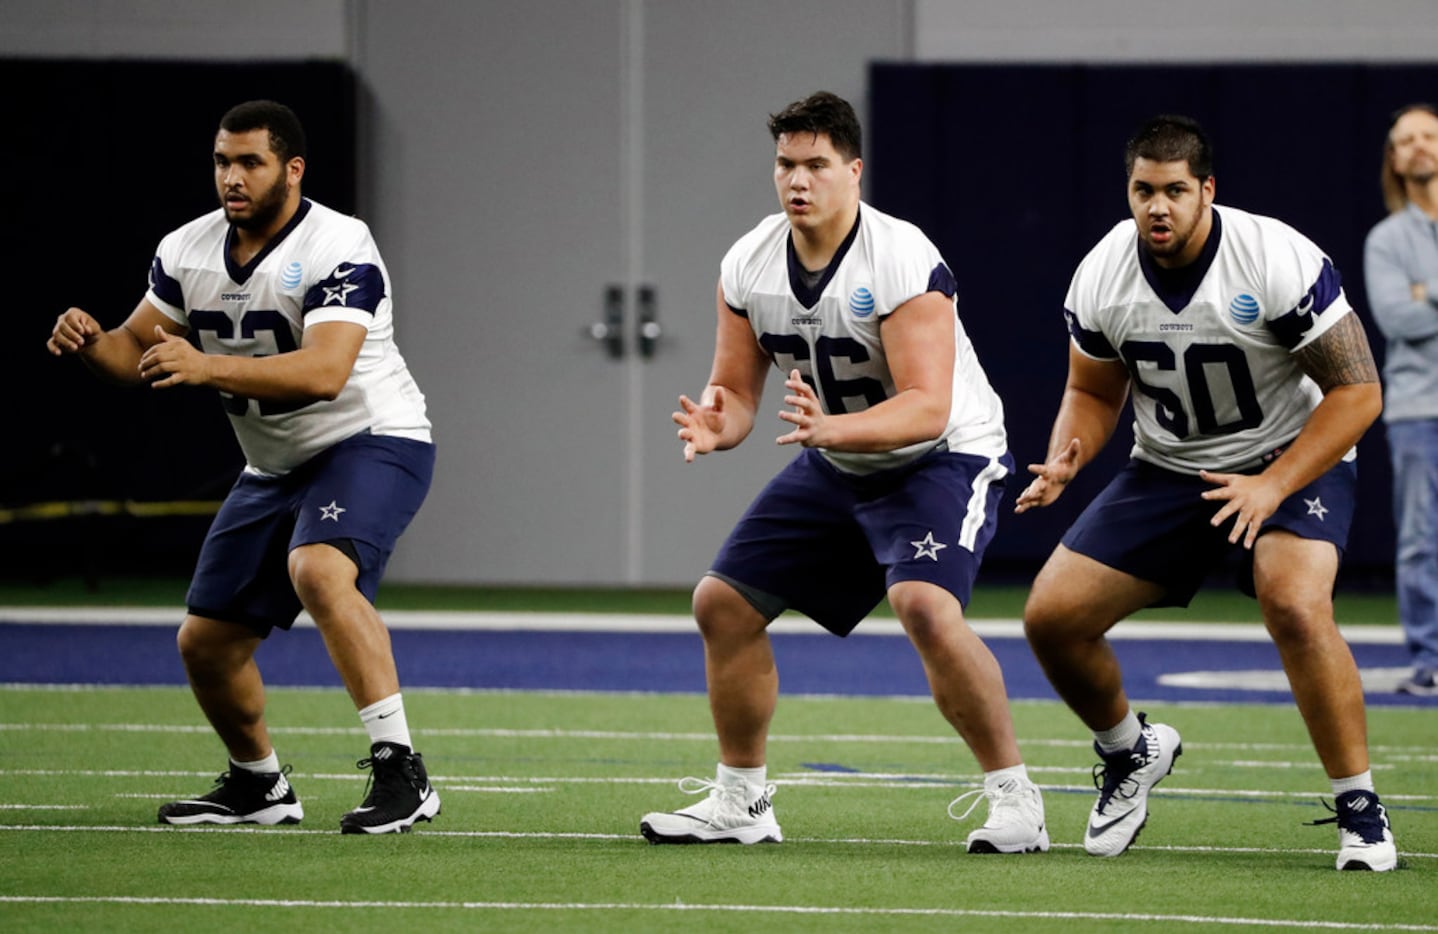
[(1124, 780), (1016, 818), (1365, 841), (732, 813)]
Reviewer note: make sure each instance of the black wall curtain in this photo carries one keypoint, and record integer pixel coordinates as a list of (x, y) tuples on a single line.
[(101, 159)]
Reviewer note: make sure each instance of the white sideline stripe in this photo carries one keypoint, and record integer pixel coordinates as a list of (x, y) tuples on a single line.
[(370, 905), (521, 783), (1408, 753), (634, 838), (661, 623)]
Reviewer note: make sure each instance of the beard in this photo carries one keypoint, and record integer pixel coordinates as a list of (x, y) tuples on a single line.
[(264, 208), (1178, 241)]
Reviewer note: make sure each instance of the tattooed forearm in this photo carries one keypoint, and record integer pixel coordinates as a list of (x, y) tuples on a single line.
[(1339, 357)]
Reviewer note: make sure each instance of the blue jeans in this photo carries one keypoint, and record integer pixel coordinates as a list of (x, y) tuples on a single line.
[(1414, 448)]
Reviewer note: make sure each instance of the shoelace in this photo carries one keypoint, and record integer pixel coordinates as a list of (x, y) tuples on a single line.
[(978, 794), (999, 797), (1368, 826), (730, 794), (375, 791), (1120, 783)]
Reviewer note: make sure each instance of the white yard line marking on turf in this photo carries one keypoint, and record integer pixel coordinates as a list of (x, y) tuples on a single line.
[(628, 837), (854, 780), (1398, 753), (44, 807), (1000, 628), (837, 910)]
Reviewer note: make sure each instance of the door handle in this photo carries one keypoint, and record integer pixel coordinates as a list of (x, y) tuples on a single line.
[(649, 329), (609, 330)]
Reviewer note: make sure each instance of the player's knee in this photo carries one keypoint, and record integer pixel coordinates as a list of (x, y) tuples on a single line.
[(320, 575), (927, 611), (722, 612), (206, 647), (1043, 619), (1296, 621)]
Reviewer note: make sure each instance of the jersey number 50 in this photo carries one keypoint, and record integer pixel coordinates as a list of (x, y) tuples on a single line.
[(1197, 359)]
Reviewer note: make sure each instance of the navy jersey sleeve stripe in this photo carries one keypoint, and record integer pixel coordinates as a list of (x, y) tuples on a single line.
[(942, 280), (352, 285), (1092, 343), (1290, 327), (165, 286)]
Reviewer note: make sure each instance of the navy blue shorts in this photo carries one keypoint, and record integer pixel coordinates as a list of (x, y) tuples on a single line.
[(1154, 524), (829, 544), (359, 496)]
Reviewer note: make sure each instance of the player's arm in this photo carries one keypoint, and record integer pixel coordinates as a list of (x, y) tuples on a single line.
[(1341, 363), (724, 414), (918, 339), (114, 354), (316, 371), (1093, 399)]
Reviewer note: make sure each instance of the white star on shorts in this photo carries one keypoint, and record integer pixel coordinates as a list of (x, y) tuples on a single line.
[(926, 547), (1316, 507), (332, 511)]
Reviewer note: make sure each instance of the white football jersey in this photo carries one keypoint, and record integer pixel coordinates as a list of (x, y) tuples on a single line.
[(323, 266), (830, 332), (1209, 347)]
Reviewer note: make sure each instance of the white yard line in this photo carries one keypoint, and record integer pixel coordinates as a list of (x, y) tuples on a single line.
[(678, 907)]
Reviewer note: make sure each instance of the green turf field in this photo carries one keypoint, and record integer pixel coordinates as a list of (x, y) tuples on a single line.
[(542, 795)]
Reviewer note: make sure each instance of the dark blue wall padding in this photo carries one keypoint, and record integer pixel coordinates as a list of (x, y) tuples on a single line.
[(1016, 171)]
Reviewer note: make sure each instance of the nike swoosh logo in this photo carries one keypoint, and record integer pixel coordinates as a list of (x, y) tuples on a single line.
[(1103, 828), (384, 715), (341, 275)]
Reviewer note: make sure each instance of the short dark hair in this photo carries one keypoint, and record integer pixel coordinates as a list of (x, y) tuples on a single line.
[(822, 112), (1169, 138), (287, 136)]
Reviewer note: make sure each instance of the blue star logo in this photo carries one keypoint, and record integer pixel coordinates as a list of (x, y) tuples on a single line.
[(332, 511), (926, 547), (1316, 507)]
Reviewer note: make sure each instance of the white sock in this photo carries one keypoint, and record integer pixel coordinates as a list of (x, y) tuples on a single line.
[(999, 777), (753, 777), (270, 763), (1120, 738), (385, 722), (1363, 781)]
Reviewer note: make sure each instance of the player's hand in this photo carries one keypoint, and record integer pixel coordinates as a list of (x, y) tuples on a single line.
[(808, 416), (1050, 478), (700, 425), (173, 361), (1249, 497), (74, 331)]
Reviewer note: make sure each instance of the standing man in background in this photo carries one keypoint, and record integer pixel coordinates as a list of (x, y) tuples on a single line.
[(291, 306), (1252, 382), (895, 489), (1400, 264)]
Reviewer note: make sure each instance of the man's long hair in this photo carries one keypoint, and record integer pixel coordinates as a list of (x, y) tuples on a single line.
[(1395, 193)]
